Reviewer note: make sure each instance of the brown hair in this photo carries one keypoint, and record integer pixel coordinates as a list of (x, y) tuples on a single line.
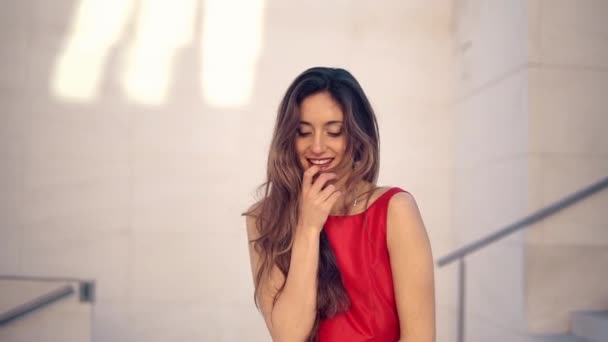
[(277, 212)]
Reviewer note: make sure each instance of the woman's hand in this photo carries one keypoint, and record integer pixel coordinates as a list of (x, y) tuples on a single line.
[(316, 201)]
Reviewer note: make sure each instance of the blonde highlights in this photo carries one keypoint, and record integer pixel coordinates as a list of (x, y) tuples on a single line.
[(276, 214)]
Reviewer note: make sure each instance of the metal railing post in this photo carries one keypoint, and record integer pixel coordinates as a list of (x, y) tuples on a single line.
[(462, 282)]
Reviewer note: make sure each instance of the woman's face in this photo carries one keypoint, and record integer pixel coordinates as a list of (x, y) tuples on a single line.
[(321, 139)]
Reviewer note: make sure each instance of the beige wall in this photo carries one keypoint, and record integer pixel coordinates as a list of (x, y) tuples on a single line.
[(491, 161), (567, 254), (529, 129), (144, 194)]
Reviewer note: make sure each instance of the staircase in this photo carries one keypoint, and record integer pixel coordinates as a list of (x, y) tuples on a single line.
[(585, 326)]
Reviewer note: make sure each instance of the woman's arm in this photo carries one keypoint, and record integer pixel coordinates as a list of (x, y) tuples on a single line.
[(294, 313), (412, 268)]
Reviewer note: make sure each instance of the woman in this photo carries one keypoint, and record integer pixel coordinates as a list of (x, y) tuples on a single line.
[(334, 257)]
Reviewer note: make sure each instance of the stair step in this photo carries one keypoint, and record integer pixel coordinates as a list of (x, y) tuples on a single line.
[(591, 325)]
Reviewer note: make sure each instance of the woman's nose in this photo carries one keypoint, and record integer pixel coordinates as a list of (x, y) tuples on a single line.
[(318, 145)]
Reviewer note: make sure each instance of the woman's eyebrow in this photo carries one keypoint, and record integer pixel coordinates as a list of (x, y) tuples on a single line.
[(333, 122)]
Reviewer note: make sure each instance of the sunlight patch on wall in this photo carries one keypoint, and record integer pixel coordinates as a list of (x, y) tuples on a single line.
[(231, 43), (97, 25), (162, 28)]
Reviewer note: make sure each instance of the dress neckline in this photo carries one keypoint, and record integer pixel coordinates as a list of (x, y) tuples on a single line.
[(366, 209)]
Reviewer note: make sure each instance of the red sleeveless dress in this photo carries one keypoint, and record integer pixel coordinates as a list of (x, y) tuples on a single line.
[(359, 243)]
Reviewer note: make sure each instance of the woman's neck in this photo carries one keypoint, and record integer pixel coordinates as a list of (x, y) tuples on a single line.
[(352, 200)]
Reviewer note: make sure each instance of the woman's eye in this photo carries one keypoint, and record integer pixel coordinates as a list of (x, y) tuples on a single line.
[(304, 134), (335, 134)]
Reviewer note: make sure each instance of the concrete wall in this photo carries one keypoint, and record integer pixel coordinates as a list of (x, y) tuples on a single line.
[(127, 160), (491, 159), (566, 255), (529, 129)]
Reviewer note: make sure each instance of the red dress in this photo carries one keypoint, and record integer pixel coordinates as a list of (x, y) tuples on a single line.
[(362, 257)]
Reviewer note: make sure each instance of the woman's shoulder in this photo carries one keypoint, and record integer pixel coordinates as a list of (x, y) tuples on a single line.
[(379, 191), (398, 198), (401, 202), (376, 195)]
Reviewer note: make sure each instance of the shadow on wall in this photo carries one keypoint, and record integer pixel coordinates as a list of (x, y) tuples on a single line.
[(138, 45)]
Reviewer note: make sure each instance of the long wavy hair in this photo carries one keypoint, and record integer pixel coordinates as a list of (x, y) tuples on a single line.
[(276, 213)]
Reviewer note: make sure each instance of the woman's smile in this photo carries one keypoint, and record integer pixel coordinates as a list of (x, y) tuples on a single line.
[(323, 163)]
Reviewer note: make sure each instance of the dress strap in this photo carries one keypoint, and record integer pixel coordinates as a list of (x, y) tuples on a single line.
[(386, 196)]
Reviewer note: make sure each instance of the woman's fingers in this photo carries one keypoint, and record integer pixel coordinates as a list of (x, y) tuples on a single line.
[(328, 191), (317, 186), (317, 197), (317, 192), (333, 198), (308, 176)]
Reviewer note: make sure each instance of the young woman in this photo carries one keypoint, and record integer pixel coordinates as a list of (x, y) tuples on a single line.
[(335, 257)]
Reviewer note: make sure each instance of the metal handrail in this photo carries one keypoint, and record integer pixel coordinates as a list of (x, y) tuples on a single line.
[(460, 253), (86, 287), (86, 291), (523, 223), (35, 304), (42, 278)]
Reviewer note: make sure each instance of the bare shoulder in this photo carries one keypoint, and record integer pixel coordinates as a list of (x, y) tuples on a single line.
[(401, 202), (404, 222), (399, 199)]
